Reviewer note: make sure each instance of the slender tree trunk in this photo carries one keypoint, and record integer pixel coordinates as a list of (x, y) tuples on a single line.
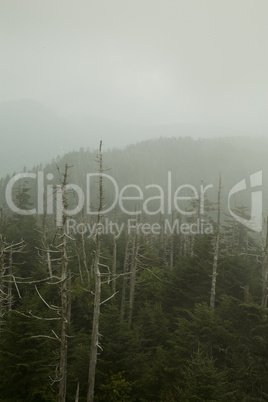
[(6, 275), (95, 331), (162, 242), (114, 266), (171, 255), (2, 271), (125, 270), (97, 296), (69, 300), (192, 245), (64, 297), (265, 271), (77, 393), (45, 251), (216, 251), (246, 293), (133, 269), (85, 257), (9, 288)]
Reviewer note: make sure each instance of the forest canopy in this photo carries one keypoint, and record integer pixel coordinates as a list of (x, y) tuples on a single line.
[(171, 302)]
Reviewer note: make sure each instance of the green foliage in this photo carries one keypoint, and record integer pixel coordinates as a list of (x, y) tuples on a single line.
[(23, 362), (178, 348), (117, 389), (201, 381)]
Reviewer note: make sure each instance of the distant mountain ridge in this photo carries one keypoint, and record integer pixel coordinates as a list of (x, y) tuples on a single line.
[(33, 133), (182, 159)]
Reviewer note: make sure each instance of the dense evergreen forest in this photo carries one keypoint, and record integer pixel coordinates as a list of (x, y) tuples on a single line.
[(182, 316)]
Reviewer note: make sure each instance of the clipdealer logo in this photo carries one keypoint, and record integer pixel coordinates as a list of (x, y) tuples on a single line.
[(131, 199), (167, 201), (255, 221)]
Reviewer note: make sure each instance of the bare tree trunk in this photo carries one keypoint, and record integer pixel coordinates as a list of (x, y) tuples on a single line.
[(265, 271), (6, 275), (125, 269), (69, 300), (97, 297), (9, 288), (95, 331), (114, 266), (162, 242), (133, 269), (45, 251), (192, 242), (246, 293), (64, 297), (216, 251), (2, 271), (77, 393), (85, 257), (171, 255), (79, 265)]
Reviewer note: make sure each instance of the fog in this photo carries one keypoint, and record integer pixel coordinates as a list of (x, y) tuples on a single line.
[(74, 71)]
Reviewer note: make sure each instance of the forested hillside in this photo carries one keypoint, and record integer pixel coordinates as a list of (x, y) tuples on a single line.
[(168, 315), (190, 161)]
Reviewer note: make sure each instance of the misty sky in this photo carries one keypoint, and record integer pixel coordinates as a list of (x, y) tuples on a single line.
[(140, 61)]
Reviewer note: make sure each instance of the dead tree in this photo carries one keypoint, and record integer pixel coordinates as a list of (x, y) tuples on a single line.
[(46, 258), (114, 264), (97, 295), (125, 272), (64, 294), (171, 254), (60, 259), (2, 271), (7, 277), (84, 256), (216, 249), (265, 271), (97, 287), (77, 393), (9, 288), (133, 270), (162, 241), (65, 283)]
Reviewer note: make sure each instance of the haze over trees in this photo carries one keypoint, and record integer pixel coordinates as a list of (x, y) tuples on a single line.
[(161, 315), (22, 119)]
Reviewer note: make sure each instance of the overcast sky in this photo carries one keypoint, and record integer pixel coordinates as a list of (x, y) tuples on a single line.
[(140, 61)]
